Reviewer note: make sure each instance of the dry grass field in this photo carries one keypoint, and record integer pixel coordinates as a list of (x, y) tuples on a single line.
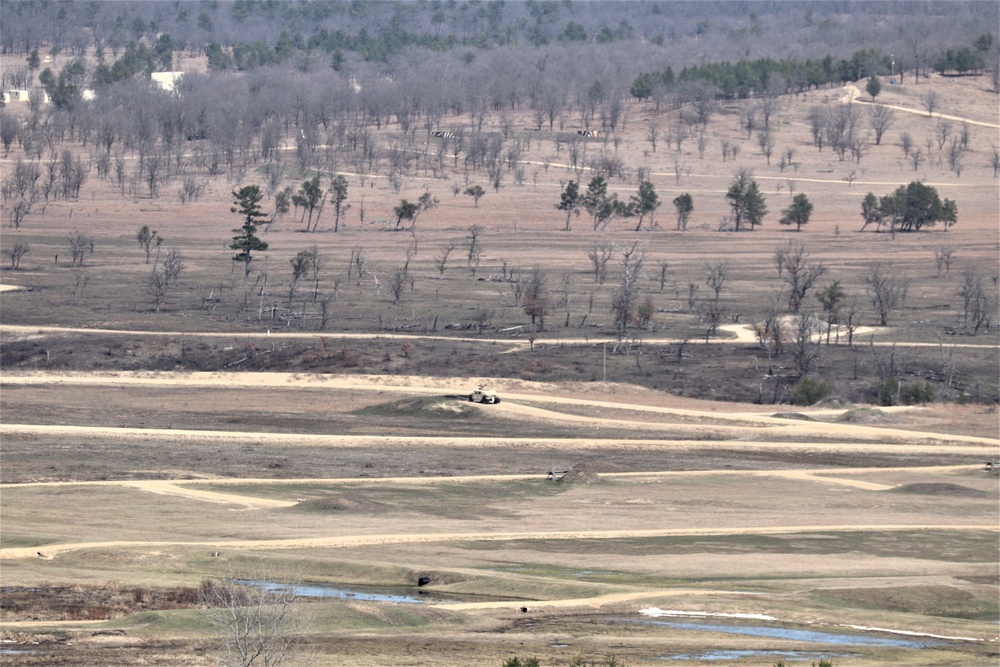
[(146, 450)]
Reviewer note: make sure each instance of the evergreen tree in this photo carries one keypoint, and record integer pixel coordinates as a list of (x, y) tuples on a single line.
[(570, 202), (798, 213), (874, 86), (685, 206), (246, 202)]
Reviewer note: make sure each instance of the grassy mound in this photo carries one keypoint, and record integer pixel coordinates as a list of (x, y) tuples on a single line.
[(940, 489), (866, 416), (421, 407)]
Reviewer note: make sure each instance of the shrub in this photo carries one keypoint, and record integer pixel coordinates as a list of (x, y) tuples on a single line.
[(518, 662), (917, 393), (808, 391), (887, 391)]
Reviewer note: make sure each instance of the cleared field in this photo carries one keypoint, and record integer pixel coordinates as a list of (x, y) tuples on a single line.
[(327, 430), (750, 518)]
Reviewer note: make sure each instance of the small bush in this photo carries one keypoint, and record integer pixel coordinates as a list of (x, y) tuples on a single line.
[(887, 392), (808, 391), (518, 662), (917, 393)]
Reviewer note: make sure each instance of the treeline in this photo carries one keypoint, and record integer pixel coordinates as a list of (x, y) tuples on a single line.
[(767, 76), (257, 32)]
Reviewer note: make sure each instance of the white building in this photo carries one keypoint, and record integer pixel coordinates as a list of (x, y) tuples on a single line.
[(167, 80)]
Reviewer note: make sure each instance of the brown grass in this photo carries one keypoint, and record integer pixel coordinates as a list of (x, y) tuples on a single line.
[(753, 517)]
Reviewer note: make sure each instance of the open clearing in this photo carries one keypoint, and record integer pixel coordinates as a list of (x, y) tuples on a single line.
[(148, 449), (696, 507)]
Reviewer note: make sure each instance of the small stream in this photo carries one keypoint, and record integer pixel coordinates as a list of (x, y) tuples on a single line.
[(395, 594), (710, 656), (791, 634)]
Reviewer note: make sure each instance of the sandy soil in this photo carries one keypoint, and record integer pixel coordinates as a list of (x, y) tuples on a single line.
[(741, 425)]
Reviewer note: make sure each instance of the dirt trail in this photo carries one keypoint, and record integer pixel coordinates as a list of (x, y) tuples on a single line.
[(179, 487), (897, 444), (345, 541), (737, 425), (742, 335), (594, 602), (926, 115), (170, 489)]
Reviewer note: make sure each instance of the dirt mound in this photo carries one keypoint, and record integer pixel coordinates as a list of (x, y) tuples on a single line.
[(431, 407), (833, 402), (337, 503), (941, 489), (866, 416), (578, 477)]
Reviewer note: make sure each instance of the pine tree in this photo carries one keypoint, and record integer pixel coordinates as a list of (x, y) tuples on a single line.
[(247, 204)]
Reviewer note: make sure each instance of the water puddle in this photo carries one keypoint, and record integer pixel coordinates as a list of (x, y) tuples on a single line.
[(791, 634), (398, 595), (709, 656)]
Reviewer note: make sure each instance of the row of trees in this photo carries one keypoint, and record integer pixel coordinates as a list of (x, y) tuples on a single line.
[(771, 77), (909, 208)]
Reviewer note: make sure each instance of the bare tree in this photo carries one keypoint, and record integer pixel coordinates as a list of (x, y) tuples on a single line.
[(535, 297), (475, 248), (16, 252), (930, 100), (257, 618), (21, 188), (663, 274), (716, 277), (885, 291), (941, 133), (906, 144), (653, 133), (625, 298), (942, 258), (148, 239), (995, 160), (798, 273), (441, 261), (157, 286), (954, 154), (173, 264), (600, 254), (164, 276), (79, 245), (806, 345), (817, 124), (978, 307), (397, 282), (765, 139), (881, 118)]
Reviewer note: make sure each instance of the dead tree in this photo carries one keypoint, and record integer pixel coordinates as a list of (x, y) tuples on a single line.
[(79, 245), (798, 273), (257, 618), (885, 291), (16, 252)]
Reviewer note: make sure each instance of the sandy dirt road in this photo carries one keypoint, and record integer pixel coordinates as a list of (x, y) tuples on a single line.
[(343, 541), (741, 425), (737, 333), (181, 487)]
